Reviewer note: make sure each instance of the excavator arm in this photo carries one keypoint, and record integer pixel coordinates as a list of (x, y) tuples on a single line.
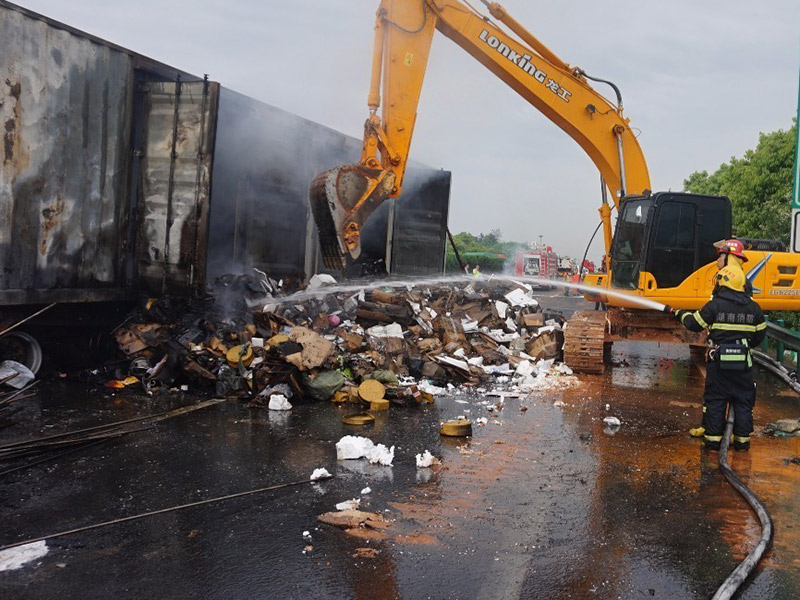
[(343, 198)]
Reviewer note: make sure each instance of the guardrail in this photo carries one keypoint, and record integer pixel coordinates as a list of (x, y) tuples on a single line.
[(784, 338)]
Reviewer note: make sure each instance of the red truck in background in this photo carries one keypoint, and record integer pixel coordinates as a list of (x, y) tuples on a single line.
[(540, 261)]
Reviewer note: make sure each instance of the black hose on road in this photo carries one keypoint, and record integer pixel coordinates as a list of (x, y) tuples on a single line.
[(740, 573), (777, 369)]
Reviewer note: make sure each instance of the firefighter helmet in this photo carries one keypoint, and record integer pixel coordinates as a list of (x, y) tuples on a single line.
[(731, 277), (732, 246)]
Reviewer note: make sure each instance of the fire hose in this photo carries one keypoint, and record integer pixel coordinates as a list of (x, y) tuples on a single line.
[(743, 570)]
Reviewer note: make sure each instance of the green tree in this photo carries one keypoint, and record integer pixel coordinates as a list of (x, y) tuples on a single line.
[(760, 188), (491, 242), (759, 185)]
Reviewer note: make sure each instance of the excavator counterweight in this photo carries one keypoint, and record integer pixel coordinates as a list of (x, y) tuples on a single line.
[(342, 199)]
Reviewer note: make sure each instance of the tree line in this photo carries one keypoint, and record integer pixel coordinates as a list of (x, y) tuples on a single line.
[(760, 186)]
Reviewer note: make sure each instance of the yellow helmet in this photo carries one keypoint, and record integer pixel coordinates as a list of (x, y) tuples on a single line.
[(731, 277)]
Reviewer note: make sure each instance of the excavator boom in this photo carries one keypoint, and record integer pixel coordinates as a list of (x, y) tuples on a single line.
[(343, 198)]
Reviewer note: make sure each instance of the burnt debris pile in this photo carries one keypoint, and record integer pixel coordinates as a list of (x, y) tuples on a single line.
[(252, 339)]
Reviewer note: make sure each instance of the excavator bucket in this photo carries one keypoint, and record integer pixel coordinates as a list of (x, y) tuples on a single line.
[(342, 199)]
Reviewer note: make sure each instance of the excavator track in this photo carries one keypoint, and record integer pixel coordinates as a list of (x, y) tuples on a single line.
[(584, 341)]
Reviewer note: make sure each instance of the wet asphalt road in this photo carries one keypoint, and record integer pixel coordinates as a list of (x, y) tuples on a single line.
[(539, 503)]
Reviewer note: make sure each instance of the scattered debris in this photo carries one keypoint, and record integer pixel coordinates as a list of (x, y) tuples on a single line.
[(366, 553), (353, 519), (426, 459), (15, 374), (358, 419), (349, 504), (783, 427), (685, 404), (320, 473), (355, 447), (390, 345), (15, 558), (456, 428), (612, 422), (321, 280), (119, 384), (279, 402)]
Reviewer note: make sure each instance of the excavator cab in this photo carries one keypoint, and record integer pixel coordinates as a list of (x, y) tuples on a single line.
[(669, 235)]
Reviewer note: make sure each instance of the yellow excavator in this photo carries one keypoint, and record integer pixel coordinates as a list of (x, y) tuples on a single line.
[(662, 248)]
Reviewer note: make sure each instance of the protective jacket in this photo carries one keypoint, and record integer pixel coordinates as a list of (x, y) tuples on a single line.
[(735, 324), (729, 316)]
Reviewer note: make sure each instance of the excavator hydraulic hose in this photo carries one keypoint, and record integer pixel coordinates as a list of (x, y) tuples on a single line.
[(741, 572)]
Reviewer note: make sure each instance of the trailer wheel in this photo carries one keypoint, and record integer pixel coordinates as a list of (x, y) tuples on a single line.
[(23, 348)]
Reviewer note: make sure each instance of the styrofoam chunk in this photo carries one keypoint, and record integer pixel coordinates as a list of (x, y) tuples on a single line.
[(353, 447), (279, 402), (319, 474), (349, 504), (426, 459)]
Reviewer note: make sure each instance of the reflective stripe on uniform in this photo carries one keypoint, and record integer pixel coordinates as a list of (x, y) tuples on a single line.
[(733, 327), (732, 358), (699, 319), (712, 438), (761, 326), (741, 438)]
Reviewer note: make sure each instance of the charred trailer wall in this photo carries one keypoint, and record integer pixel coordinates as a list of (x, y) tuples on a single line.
[(176, 152), (265, 159), (418, 237), (72, 122), (65, 108), (409, 234), (120, 173)]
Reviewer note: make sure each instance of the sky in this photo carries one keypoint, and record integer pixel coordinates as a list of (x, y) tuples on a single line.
[(700, 80)]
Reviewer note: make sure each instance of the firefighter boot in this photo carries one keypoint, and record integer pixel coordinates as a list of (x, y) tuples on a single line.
[(712, 442), (741, 443)]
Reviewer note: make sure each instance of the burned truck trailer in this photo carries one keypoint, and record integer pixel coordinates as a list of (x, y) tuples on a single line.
[(121, 175)]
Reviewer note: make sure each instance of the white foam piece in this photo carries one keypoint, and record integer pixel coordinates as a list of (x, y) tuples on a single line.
[(319, 474), (16, 558), (279, 402), (426, 459)]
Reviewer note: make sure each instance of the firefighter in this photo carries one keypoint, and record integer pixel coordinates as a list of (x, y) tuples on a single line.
[(735, 324)]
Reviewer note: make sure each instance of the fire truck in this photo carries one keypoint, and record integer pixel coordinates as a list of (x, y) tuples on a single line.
[(540, 261)]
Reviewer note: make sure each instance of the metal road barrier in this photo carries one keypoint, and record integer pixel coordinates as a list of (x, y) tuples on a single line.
[(784, 338)]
